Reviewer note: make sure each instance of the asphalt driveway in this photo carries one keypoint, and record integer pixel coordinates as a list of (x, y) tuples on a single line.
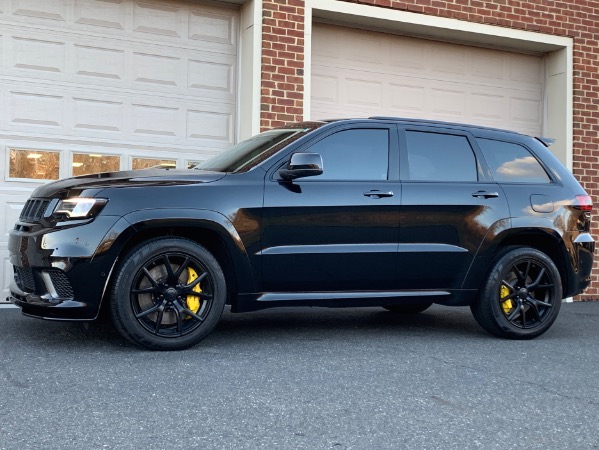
[(304, 378)]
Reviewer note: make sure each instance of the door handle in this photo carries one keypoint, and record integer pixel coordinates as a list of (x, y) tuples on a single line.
[(485, 194), (378, 194)]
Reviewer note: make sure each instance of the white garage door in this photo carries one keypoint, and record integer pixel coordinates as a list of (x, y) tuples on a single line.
[(358, 73), (93, 85)]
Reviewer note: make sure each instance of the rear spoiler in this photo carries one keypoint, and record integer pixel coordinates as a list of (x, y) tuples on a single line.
[(546, 141)]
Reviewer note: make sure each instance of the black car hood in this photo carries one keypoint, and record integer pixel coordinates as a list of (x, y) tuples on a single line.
[(90, 185)]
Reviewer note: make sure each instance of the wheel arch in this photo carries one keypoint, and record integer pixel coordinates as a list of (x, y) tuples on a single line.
[(548, 241), (210, 229)]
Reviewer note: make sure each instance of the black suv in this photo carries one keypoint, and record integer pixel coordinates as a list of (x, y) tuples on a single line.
[(366, 212)]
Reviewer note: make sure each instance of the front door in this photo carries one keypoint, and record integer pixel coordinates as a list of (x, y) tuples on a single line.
[(337, 231)]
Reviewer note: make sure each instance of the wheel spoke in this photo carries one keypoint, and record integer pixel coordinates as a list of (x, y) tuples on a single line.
[(149, 290), (150, 277), (188, 288), (519, 275), (539, 302), (523, 315), (189, 312), (515, 313), (149, 311), (159, 319), (534, 308), (181, 268), (179, 320), (168, 266), (536, 283), (203, 296), (528, 264)]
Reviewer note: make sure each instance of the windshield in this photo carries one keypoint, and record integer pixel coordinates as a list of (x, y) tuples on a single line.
[(249, 153)]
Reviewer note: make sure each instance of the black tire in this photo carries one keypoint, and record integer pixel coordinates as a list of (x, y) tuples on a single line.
[(156, 303), (522, 295), (408, 309)]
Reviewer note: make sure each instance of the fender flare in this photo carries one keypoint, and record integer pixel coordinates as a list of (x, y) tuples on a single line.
[(125, 228)]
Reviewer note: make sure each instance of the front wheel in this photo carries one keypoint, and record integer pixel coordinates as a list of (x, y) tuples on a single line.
[(168, 294), (522, 295)]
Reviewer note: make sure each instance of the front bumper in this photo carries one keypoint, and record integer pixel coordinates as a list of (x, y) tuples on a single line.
[(57, 273), (47, 307)]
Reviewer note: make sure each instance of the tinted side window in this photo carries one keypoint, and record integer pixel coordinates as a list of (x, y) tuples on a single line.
[(512, 163), (361, 154), (440, 157)]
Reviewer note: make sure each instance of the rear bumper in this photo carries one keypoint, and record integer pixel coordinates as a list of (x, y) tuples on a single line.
[(582, 255)]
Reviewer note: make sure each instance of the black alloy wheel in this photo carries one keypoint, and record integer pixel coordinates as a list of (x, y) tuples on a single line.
[(168, 294), (522, 296)]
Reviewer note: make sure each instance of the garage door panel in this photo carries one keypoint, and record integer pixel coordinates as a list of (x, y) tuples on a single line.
[(363, 92), (47, 9), (101, 14), (97, 114), (99, 62), (407, 99), (325, 89), (423, 79), (209, 125), (35, 108)]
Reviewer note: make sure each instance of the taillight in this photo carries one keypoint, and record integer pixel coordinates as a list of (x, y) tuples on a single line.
[(583, 203)]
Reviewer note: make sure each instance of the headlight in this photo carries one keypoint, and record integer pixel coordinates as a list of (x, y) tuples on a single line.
[(79, 207)]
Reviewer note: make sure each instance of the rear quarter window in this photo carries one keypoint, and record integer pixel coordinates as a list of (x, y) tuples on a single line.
[(512, 163)]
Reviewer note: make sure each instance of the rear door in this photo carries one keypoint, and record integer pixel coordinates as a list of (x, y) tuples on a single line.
[(337, 231), (449, 205)]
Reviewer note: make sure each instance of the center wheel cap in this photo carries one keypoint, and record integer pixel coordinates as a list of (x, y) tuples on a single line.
[(170, 294), (523, 293)]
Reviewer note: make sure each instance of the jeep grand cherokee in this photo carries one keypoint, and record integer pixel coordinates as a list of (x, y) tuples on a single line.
[(373, 212)]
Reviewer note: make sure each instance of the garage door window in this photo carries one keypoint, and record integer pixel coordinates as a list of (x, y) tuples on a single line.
[(146, 163), (86, 163), (440, 157), (361, 154), (34, 164)]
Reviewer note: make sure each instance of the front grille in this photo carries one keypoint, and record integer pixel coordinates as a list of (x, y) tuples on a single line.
[(34, 210), (24, 279), (61, 284)]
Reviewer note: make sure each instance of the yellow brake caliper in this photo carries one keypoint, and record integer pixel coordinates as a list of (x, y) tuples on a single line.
[(193, 301), (506, 305)]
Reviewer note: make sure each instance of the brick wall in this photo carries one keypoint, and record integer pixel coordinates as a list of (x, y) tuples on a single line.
[(283, 59)]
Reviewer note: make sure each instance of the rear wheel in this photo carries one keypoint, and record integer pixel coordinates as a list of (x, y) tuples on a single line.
[(522, 295), (168, 294), (408, 309)]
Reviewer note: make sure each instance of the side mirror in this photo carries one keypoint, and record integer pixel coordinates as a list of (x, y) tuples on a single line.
[(302, 165)]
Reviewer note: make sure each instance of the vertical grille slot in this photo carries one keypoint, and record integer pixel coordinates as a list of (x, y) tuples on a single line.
[(34, 210)]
